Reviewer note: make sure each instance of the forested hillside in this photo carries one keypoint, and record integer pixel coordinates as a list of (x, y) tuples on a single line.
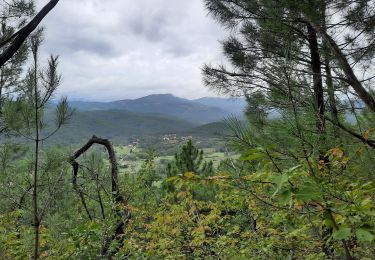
[(155, 115), (161, 177), (118, 126)]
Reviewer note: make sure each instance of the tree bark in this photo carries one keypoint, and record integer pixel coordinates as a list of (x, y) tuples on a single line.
[(316, 67)]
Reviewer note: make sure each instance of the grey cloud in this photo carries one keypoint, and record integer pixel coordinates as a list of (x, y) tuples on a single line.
[(125, 48), (179, 50), (151, 29), (84, 43)]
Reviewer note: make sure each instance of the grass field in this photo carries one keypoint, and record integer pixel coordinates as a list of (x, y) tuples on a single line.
[(130, 158)]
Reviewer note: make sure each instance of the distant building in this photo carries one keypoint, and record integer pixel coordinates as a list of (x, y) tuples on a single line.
[(169, 137)]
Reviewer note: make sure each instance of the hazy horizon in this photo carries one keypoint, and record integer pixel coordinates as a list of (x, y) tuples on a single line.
[(75, 99)]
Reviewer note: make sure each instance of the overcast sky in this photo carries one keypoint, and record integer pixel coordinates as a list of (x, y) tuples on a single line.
[(119, 49)]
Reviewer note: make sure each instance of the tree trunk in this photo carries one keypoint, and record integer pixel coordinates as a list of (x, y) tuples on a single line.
[(331, 98), (36, 162), (317, 79)]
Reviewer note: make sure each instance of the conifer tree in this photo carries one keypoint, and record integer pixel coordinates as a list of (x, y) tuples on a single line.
[(28, 122), (190, 159), (285, 50)]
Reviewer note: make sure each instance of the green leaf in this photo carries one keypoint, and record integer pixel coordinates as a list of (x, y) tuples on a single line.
[(157, 184), (285, 197), (308, 192), (294, 168), (342, 233), (328, 222), (364, 235), (279, 180)]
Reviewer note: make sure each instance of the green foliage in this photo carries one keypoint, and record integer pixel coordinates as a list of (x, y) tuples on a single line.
[(301, 191), (190, 159), (296, 190)]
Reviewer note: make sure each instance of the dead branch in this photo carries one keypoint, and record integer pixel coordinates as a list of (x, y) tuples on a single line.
[(121, 210)]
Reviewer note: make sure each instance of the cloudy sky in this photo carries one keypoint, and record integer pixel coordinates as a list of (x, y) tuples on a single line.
[(119, 49)]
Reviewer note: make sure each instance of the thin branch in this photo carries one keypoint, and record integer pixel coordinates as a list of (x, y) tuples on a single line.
[(370, 143)]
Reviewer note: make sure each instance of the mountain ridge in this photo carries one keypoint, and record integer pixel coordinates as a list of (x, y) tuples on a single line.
[(202, 111)]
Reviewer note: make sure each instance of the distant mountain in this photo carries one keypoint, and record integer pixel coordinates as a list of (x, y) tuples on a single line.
[(235, 106), (90, 106), (204, 110), (118, 125), (174, 106)]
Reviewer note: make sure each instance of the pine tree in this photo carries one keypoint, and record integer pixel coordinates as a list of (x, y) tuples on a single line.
[(28, 122), (286, 51), (190, 159)]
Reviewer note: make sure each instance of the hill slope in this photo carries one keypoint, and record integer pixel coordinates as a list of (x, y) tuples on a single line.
[(215, 129), (117, 125)]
